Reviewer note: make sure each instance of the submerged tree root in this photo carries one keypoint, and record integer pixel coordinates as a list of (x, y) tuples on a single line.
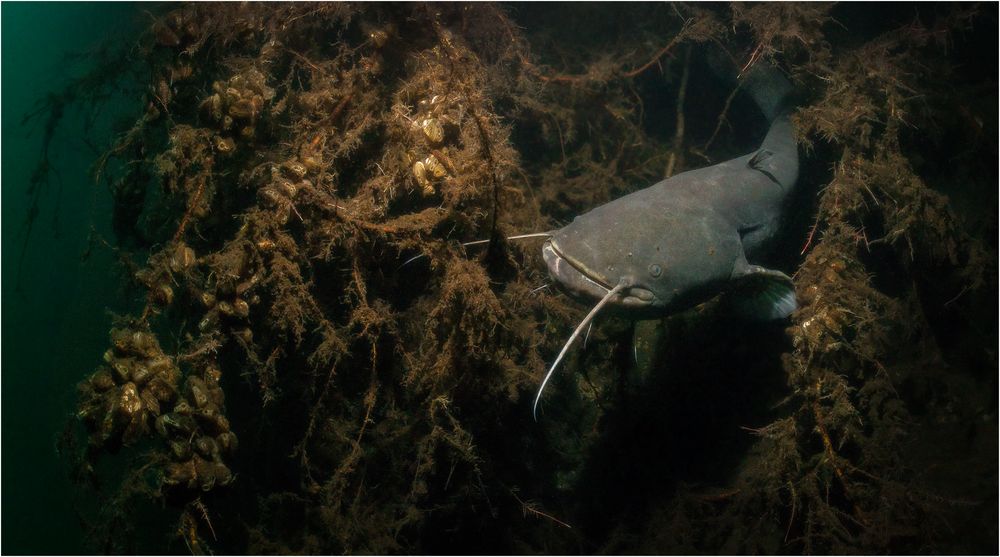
[(291, 156)]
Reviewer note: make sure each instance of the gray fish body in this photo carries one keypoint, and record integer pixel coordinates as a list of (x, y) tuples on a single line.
[(680, 241)]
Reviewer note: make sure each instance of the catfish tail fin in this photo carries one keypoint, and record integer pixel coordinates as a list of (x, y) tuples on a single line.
[(769, 88), (766, 84)]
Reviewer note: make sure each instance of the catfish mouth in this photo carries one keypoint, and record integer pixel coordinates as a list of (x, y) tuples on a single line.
[(582, 283)]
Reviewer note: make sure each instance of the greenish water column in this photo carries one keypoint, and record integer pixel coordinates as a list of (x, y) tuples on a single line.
[(55, 314)]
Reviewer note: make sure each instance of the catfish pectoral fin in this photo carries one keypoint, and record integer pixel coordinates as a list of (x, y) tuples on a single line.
[(763, 294), (758, 158)]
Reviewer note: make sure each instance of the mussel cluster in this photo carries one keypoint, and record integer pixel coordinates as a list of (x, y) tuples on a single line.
[(157, 276), (177, 30), (198, 434), (138, 392), (287, 180), (428, 127), (122, 399), (235, 107), (229, 297)]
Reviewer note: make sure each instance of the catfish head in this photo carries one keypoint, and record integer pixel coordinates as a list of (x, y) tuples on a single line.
[(667, 259)]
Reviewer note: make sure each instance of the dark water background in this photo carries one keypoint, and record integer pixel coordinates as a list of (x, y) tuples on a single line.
[(55, 318)]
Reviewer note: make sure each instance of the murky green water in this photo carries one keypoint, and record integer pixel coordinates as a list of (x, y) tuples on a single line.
[(54, 305)]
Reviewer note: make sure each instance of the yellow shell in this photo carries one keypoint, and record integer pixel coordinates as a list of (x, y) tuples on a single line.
[(130, 403), (420, 173), (102, 380), (295, 169), (434, 166), (312, 163), (182, 258), (224, 145), (212, 107), (241, 308), (288, 188), (433, 129), (245, 334), (243, 109), (379, 38), (270, 196), (163, 295)]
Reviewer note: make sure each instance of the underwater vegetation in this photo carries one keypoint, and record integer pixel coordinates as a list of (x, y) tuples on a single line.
[(286, 385)]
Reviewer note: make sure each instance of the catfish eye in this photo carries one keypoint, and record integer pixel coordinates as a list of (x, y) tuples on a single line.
[(655, 270)]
